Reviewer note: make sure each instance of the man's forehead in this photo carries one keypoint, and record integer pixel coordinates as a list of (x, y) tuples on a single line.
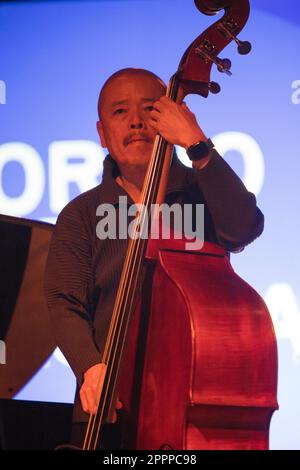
[(137, 84), (142, 99)]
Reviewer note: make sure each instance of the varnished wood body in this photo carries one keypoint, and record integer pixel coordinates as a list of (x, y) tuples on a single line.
[(208, 377)]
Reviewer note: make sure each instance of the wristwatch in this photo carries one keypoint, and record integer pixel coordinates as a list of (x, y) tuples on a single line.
[(200, 150)]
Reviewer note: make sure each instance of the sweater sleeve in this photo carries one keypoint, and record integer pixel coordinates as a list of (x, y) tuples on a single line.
[(68, 283), (237, 219)]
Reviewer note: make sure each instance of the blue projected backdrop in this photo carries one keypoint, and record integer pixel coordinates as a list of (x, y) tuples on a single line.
[(54, 58)]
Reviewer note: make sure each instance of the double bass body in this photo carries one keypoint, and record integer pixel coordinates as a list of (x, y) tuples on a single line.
[(205, 374)]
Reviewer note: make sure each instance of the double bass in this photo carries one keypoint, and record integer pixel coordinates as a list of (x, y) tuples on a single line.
[(192, 353)]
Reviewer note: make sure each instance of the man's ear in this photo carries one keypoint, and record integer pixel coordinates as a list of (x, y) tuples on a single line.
[(101, 133)]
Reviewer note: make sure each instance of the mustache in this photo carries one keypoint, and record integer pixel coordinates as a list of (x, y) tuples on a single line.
[(142, 135)]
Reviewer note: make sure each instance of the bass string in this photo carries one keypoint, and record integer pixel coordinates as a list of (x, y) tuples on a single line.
[(117, 317)]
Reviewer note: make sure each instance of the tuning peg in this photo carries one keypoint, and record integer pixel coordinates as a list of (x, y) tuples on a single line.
[(224, 65), (214, 87), (228, 28), (244, 47)]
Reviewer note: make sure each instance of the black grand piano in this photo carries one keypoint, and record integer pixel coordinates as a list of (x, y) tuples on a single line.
[(26, 337)]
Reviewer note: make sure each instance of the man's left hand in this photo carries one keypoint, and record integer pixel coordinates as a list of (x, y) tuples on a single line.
[(175, 123)]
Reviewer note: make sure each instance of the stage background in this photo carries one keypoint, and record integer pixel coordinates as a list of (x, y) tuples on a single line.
[(54, 58)]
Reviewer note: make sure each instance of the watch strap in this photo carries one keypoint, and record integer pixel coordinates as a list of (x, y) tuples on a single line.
[(200, 150)]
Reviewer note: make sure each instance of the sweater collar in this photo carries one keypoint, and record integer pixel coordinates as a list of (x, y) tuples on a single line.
[(111, 190)]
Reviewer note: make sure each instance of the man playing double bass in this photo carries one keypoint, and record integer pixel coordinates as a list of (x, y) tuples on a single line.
[(83, 271)]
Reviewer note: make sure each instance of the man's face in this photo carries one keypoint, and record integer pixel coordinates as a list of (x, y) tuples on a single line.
[(125, 127)]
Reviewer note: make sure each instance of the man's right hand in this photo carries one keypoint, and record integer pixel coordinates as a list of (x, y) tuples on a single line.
[(91, 388)]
